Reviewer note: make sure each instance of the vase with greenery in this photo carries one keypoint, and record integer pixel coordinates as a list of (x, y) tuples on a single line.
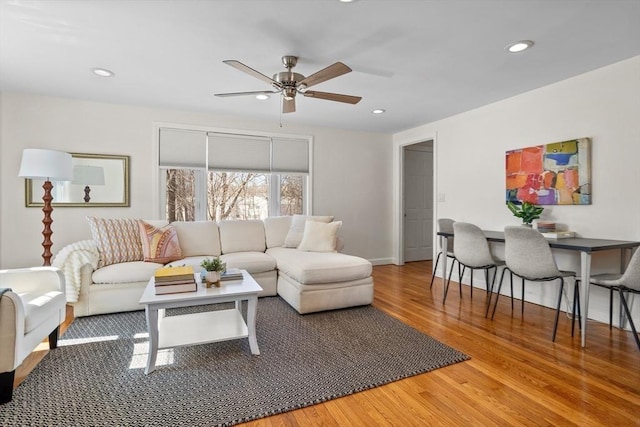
[(526, 211), (213, 266)]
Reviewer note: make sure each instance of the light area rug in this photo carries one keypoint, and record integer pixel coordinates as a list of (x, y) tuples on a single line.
[(96, 376)]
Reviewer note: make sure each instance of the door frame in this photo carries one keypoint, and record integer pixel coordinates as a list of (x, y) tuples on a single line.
[(398, 207)]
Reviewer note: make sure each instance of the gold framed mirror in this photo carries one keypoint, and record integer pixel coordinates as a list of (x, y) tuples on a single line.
[(99, 180)]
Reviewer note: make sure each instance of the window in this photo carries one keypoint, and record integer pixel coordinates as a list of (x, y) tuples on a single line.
[(216, 176)]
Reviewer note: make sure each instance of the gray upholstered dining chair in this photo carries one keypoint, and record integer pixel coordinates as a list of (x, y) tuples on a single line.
[(472, 251), (445, 225), (627, 282), (528, 255)]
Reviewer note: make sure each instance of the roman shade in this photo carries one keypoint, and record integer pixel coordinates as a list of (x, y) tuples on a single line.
[(219, 151)]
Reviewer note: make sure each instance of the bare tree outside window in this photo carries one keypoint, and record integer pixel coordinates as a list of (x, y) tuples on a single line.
[(291, 194), (230, 195), (180, 195), (236, 195)]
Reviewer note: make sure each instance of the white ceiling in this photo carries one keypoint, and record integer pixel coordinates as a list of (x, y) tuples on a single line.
[(419, 60)]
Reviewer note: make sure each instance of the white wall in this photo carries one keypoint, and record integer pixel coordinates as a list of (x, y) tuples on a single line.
[(603, 105), (352, 172)]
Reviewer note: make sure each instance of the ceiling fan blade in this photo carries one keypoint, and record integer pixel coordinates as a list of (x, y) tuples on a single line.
[(288, 105), (333, 96), (325, 74), (246, 69), (258, 92)]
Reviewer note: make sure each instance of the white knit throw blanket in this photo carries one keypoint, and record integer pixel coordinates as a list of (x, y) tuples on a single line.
[(71, 259)]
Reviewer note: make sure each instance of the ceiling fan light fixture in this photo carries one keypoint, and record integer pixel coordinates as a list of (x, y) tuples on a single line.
[(102, 72), (519, 46)]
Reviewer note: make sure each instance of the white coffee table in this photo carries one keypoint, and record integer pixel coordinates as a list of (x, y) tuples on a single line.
[(205, 327)]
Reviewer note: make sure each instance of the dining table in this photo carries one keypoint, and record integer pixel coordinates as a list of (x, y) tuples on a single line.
[(586, 246)]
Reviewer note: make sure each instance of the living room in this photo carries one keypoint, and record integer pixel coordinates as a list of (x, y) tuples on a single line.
[(356, 173)]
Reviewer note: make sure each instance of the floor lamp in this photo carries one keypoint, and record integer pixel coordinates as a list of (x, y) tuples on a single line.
[(48, 165)]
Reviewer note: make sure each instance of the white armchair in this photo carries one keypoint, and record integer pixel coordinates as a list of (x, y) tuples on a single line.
[(32, 309)]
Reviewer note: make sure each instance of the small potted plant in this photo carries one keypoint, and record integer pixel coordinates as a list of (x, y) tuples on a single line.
[(213, 266), (527, 211)]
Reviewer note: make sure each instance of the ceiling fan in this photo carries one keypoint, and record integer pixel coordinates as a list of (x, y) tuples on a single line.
[(289, 83)]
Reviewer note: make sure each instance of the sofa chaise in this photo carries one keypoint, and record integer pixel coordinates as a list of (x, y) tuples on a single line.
[(293, 257)]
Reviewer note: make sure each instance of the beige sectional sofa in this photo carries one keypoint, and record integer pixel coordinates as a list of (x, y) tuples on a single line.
[(308, 280)]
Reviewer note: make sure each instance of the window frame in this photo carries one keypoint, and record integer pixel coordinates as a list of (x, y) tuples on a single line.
[(159, 179)]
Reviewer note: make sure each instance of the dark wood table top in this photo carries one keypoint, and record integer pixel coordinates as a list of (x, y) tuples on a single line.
[(582, 244)]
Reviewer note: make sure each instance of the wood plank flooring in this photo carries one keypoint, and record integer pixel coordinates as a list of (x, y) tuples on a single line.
[(516, 375)]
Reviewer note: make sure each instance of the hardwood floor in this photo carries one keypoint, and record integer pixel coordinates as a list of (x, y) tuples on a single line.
[(516, 375)]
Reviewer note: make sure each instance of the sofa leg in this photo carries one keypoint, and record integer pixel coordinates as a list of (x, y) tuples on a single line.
[(6, 386), (53, 338)]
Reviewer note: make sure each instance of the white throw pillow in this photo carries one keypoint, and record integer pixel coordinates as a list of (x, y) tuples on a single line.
[(294, 236), (320, 236)]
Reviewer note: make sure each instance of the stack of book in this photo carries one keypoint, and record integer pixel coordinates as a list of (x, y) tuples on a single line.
[(173, 280), (231, 274)]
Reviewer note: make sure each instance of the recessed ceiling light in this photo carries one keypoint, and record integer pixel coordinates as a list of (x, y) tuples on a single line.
[(378, 111), (103, 72), (346, 1), (262, 96), (519, 46)]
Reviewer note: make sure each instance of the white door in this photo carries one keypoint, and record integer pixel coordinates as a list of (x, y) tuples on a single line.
[(418, 202)]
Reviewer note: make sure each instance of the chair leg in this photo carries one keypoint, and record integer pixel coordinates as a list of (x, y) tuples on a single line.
[(446, 288), (53, 338), (626, 311), (511, 284), (522, 301), (486, 278), (610, 308), (6, 386), (435, 268), (471, 283), (555, 325), (497, 296), (489, 288), (460, 274)]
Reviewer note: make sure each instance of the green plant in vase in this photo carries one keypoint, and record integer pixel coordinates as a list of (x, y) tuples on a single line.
[(213, 266), (526, 211)]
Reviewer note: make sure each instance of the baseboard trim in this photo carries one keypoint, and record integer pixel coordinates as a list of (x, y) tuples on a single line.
[(381, 261)]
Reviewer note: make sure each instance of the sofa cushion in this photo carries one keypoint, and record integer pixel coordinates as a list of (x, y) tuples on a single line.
[(276, 229), (296, 230), (126, 272), (253, 262), (310, 268), (198, 237), (159, 244), (320, 237), (118, 240), (242, 236)]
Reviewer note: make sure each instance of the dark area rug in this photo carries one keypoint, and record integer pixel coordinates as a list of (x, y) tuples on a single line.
[(96, 376)]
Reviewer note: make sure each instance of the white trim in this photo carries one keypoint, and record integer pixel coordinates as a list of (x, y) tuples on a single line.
[(398, 195), (381, 261)]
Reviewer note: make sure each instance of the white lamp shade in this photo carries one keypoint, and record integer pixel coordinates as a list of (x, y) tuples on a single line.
[(50, 165), (88, 175)]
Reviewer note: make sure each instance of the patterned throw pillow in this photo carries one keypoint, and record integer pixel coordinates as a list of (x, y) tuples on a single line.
[(159, 244), (118, 240)]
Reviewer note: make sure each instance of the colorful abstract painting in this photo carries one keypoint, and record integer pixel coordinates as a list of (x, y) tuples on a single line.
[(550, 174)]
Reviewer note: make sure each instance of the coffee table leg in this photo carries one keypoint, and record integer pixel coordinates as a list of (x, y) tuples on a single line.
[(252, 308), (152, 326)]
